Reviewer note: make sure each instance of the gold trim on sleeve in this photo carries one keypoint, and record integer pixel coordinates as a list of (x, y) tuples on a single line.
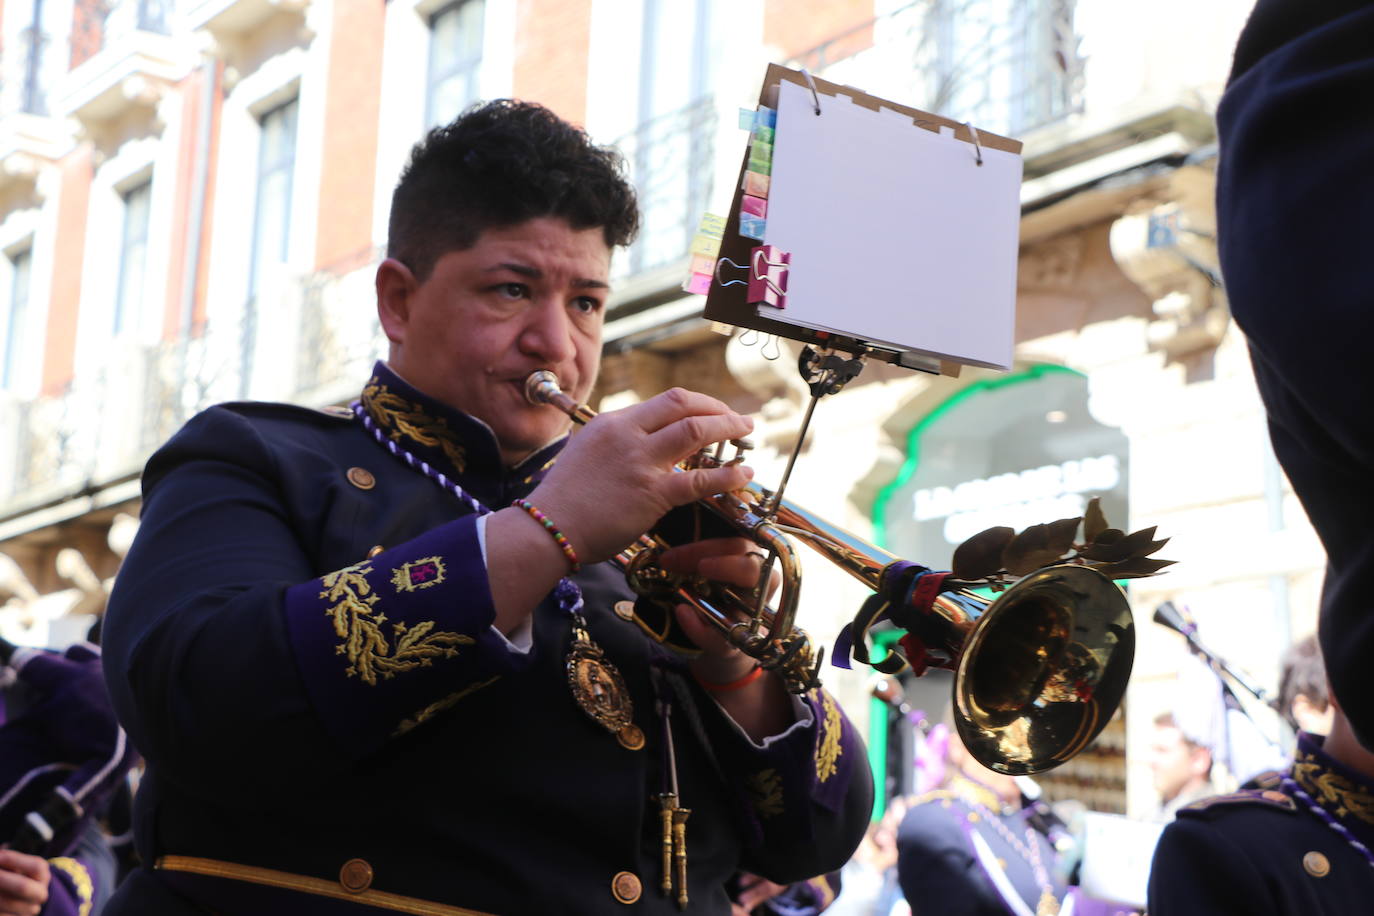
[(268, 877), (81, 881), (828, 748), (366, 646)]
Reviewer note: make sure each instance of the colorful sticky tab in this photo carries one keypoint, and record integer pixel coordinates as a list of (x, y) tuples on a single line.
[(747, 118), (764, 133), (766, 117), (762, 166), (702, 264), (760, 149), (705, 245), (698, 284), (768, 269), (753, 206), (712, 225), (755, 184), (751, 226)]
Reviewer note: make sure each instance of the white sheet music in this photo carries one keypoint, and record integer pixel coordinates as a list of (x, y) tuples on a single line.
[(897, 235)]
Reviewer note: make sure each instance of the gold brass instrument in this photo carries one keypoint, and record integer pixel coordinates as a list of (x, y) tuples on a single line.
[(1039, 670)]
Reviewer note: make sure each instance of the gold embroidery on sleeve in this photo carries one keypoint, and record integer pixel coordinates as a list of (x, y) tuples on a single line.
[(765, 788), (828, 749), (418, 574), (368, 650), (81, 880), (402, 418), (438, 706)]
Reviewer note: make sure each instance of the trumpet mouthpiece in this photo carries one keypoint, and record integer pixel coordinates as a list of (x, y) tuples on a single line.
[(541, 386)]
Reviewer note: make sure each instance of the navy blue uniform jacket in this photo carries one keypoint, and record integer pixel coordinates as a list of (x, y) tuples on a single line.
[(304, 699)]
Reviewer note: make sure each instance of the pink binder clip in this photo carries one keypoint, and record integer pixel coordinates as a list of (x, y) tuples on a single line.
[(768, 268)]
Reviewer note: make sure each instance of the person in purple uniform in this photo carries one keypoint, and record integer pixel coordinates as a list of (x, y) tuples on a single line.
[(375, 657), (63, 759)]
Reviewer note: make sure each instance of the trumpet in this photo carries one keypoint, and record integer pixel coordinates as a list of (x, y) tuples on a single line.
[(1039, 670)]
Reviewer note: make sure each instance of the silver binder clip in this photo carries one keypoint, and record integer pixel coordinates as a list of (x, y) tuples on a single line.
[(724, 282)]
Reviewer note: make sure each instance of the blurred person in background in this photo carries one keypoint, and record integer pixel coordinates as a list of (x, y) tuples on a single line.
[(1301, 846), (1181, 768), (972, 847), (1303, 700), (63, 760)]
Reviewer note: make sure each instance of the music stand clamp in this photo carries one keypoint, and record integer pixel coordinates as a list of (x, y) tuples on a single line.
[(824, 372)]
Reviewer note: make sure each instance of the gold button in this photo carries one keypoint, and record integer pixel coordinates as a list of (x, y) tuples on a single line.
[(375, 550), (355, 876), (625, 610), (1316, 864), (625, 887), (361, 478), (631, 737)]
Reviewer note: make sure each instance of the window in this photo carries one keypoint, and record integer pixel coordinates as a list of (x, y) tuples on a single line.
[(671, 152), (455, 56), (1007, 65), (272, 211), (132, 257), (21, 263)]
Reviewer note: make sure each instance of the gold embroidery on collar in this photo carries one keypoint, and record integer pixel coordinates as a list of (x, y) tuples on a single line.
[(1332, 790), (368, 650), (418, 574), (402, 418), (979, 794), (828, 749), (765, 789), (438, 706), (81, 881)]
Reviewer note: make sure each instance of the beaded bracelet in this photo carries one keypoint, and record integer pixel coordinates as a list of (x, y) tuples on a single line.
[(551, 528), (736, 684)]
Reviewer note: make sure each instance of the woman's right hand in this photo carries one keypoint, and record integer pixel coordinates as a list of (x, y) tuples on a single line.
[(617, 477)]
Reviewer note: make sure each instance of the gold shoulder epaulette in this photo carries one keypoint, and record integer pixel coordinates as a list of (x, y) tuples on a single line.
[(1266, 797)]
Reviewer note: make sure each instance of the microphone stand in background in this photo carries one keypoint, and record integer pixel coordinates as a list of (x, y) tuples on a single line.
[(1181, 622)]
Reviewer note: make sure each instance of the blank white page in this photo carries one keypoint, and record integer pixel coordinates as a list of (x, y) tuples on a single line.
[(897, 235)]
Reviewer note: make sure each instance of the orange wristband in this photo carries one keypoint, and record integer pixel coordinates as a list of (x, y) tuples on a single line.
[(736, 684)]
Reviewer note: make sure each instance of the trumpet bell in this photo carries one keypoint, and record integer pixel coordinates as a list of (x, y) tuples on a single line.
[(1044, 669)]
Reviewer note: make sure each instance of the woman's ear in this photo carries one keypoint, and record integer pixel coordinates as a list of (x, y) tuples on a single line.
[(394, 284)]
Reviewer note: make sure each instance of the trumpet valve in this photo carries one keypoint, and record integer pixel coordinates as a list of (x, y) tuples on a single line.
[(741, 447)]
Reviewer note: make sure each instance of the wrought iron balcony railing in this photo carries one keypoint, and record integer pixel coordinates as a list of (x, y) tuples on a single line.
[(672, 160), (1008, 66)]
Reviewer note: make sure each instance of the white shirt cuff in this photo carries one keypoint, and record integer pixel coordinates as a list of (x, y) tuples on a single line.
[(521, 639), (801, 712)]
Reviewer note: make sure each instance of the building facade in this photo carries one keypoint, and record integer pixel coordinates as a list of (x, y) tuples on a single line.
[(194, 196)]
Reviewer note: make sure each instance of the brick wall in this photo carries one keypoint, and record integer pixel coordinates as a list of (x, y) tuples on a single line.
[(551, 44), (795, 26), (59, 343), (88, 29), (352, 108)]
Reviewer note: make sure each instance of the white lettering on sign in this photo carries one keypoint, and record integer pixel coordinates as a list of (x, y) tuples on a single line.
[(1018, 500)]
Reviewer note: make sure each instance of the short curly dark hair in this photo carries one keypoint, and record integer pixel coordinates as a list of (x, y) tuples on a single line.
[(499, 164)]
